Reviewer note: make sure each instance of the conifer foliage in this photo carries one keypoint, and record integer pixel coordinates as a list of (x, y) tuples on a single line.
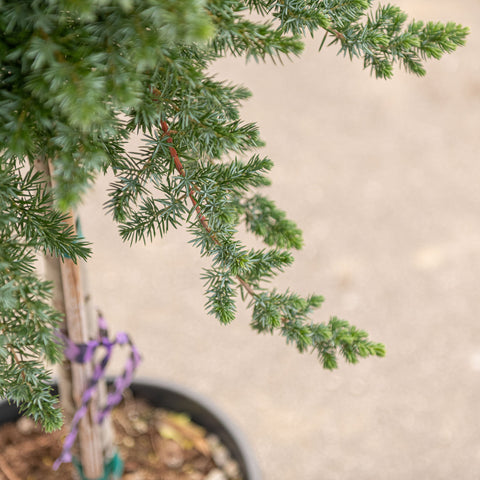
[(79, 77)]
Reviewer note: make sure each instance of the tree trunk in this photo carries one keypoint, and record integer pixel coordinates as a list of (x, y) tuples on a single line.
[(94, 441), (91, 455)]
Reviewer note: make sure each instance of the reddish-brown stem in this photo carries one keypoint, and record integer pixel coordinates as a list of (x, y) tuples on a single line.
[(246, 286), (157, 95), (17, 361), (336, 33), (12, 351), (339, 35), (201, 217), (181, 171)]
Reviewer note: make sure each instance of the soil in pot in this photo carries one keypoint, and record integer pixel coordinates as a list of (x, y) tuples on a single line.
[(155, 444)]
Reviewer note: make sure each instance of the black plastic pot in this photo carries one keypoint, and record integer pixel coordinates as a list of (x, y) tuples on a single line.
[(201, 410)]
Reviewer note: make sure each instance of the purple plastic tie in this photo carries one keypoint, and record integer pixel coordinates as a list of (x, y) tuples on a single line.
[(84, 353)]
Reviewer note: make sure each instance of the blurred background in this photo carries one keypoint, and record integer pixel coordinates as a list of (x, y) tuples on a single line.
[(383, 178)]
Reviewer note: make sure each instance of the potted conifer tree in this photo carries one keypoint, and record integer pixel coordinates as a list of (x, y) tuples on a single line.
[(77, 80)]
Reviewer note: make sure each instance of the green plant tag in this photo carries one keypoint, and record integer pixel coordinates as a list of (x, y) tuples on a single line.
[(113, 470)]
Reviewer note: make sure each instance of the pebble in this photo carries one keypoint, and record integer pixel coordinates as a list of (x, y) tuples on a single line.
[(227, 467), (129, 442), (216, 474), (25, 425), (173, 455), (140, 426), (231, 469), (212, 440), (220, 455)]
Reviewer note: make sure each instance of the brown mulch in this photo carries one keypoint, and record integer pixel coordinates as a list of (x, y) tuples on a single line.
[(155, 444)]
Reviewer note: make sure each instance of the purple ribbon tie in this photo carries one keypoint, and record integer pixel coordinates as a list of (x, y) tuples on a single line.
[(84, 353)]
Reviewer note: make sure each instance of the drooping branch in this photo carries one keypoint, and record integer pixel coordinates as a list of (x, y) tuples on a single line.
[(288, 312), (202, 219)]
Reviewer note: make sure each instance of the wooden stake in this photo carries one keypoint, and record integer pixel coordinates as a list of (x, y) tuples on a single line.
[(91, 451), (106, 428), (70, 300)]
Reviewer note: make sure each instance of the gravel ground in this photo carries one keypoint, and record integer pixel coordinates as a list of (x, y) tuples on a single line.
[(383, 178)]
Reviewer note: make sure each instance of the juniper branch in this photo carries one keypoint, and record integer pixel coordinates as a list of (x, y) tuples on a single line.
[(286, 313)]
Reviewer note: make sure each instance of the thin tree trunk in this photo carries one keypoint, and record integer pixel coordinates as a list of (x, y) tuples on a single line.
[(91, 455), (69, 299), (106, 429)]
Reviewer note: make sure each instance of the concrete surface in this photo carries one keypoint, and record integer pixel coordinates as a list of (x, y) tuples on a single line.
[(383, 178)]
